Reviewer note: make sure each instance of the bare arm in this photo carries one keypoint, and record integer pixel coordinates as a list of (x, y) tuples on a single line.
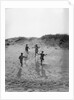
[(39, 53), (28, 48), (24, 56), (33, 47), (45, 54), (19, 57)]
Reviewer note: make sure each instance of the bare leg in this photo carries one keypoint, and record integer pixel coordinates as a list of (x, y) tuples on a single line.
[(21, 64), (41, 62), (35, 54)]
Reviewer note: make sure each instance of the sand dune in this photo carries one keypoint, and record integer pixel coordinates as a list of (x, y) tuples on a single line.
[(53, 78)]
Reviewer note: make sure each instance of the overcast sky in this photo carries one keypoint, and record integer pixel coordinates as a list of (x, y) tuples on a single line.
[(35, 22)]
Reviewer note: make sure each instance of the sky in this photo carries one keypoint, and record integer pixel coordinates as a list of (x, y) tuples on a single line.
[(35, 22)]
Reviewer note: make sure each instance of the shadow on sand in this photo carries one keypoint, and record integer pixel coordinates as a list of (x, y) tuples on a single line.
[(40, 71), (19, 73)]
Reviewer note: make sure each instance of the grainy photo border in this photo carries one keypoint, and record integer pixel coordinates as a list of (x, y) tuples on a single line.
[(36, 95)]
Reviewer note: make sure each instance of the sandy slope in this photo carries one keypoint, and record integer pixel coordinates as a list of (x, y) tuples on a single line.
[(55, 75)]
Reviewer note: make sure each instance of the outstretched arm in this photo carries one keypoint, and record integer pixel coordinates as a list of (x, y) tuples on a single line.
[(28, 48), (33, 47), (39, 53), (19, 57), (24, 56), (45, 54)]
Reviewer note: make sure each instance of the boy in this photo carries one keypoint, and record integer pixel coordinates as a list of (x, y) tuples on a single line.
[(21, 59), (36, 49), (27, 48), (42, 57)]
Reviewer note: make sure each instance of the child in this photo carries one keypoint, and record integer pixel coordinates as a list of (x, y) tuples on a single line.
[(36, 49), (27, 48), (21, 59), (42, 57)]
